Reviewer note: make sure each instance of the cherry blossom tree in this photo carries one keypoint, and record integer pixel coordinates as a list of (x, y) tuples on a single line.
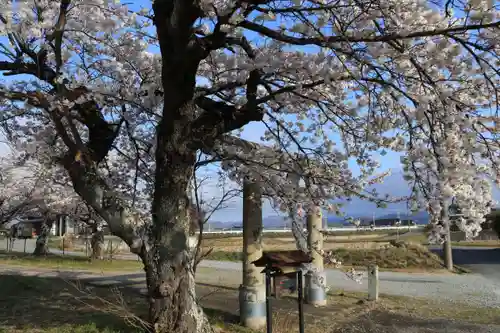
[(86, 218), (125, 101), (211, 191), (17, 191), (452, 162), (28, 188)]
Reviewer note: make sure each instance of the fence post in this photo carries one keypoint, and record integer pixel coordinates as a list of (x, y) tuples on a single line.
[(63, 247), (373, 283), (24, 251)]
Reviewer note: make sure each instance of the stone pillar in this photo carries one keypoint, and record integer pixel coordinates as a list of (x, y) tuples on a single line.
[(373, 283), (315, 281), (61, 225), (53, 230), (252, 294)]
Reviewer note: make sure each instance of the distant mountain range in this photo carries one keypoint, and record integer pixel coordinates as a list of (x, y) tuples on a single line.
[(393, 185), (279, 222)]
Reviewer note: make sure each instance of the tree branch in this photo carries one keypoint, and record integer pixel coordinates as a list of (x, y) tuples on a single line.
[(324, 41)]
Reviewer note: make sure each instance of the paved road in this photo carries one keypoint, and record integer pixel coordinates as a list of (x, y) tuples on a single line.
[(480, 260)]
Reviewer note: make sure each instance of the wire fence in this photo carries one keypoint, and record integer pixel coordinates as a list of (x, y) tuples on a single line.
[(111, 249)]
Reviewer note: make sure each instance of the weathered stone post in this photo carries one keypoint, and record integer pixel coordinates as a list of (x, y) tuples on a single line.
[(315, 281), (252, 291), (373, 283)]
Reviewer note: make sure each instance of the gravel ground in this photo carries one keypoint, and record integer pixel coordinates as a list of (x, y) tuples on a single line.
[(469, 288), (474, 289), (378, 321)]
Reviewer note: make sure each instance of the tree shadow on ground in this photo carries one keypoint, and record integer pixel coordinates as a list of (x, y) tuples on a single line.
[(34, 304), (381, 321), (473, 256)]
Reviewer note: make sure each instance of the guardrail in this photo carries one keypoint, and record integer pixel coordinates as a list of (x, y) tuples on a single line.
[(340, 229), (288, 230)]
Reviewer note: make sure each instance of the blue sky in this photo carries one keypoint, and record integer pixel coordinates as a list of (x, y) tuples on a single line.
[(252, 132), (395, 184)]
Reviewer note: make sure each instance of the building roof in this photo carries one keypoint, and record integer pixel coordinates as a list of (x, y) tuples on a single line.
[(281, 259)]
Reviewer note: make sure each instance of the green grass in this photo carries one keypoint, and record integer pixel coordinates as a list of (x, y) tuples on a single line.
[(31, 304), (51, 305), (478, 243), (225, 256), (68, 262), (406, 257), (409, 257), (427, 308)]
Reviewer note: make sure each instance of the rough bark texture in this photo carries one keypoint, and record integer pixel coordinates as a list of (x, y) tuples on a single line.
[(172, 296), (169, 270), (189, 124), (168, 265), (42, 246)]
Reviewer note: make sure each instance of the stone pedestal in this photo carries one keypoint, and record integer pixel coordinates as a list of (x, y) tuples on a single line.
[(373, 284), (315, 291), (253, 306)]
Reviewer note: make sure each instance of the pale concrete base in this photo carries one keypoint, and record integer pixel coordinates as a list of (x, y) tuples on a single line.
[(253, 306), (315, 294), (316, 297), (254, 323)]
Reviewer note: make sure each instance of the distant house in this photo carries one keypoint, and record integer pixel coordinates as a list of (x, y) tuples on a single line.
[(393, 222), (384, 222), (61, 225)]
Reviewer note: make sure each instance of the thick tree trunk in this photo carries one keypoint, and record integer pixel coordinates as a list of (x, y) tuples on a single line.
[(172, 297), (169, 263), (42, 244), (97, 244)]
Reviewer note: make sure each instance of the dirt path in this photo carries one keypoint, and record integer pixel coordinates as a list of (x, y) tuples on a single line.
[(223, 299), (342, 315)]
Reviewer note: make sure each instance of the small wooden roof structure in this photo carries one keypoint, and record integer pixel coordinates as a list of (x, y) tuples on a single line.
[(283, 259)]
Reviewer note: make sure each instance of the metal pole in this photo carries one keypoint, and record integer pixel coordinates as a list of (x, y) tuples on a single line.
[(24, 246), (269, 316), (300, 301), (63, 245)]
